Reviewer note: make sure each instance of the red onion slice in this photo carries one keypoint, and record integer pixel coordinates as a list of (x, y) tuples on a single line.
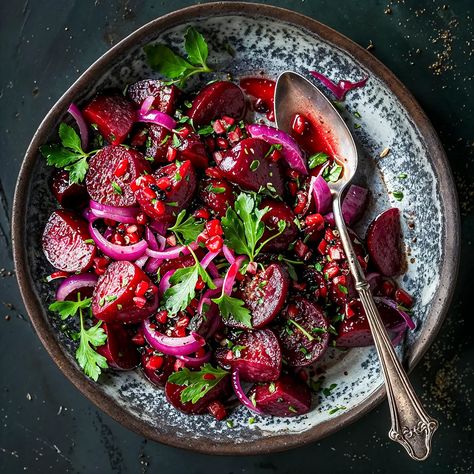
[(195, 362), (158, 118), (74, 283), (165, 282), (208, 258), (173, 252), (117, 252), (290, 149), (241, 395), (228, 254), (341, 88), (81, 123), (393, 304), (212, 270), (172, 345), (127, 215), (140, 262), (321, 194), (231, 274), (147, 104)]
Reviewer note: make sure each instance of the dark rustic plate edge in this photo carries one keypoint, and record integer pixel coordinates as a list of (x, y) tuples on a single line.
[(448, 273)]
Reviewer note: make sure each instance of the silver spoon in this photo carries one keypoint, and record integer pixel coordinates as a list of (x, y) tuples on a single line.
[(412, 427)]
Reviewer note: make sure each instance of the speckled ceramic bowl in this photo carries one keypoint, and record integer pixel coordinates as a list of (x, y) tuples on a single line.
[(267, 39)]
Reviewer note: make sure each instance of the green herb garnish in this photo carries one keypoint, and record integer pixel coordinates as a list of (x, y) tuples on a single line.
[(398, 195), (317, 159), (186, 230)]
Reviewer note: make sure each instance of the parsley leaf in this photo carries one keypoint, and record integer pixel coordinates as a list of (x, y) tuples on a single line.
[(197, 383), (69, 308), (188, 229), (170, 64), (69, 138), (234, 308), (273, 147), (317, 159), (333, 173)]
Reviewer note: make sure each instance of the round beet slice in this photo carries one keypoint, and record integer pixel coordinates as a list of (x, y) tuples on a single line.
[(355, 331), (69, 195), (302, 332), (115, 298), (67, 242), (218, 195), (163, 195), (287, 397), (384, 242), (265, 293), (113, 114), (157, 367), (247, 165), (173, 395), (278, 211), (118, 349), (258, 358), (105, 181), (216, 100)]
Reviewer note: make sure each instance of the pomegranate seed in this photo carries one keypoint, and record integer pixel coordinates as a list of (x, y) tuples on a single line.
[(213, 172), (163, 183), (214, 243), (275, 155), (132, 239), (183, 132), (182, 322), (228, 120), (329, 235), (134, 185), (162, 316), (132, 229), (388, 288), (340, 280), (180, 332), (331, 270), (171, 240), (403, 298), (229, 355), (301, 249), (293, 311), (58, 274), (117, 239), (233, 136), (293, 188), (217, 410), (222, 143), (200, 284), (138, 339), (139, 301), (315, 220), (202, 213), (251, 268), (121, 168), (154, 362), (171, 154), (218, 127), (321, 292), (142, 288), (159, 207), (209, 377), (214, 227), (149, 193), (349, 312), (299, 124), (178, 365)]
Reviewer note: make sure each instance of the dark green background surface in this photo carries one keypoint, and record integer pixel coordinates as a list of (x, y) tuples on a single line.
[(45, 423)]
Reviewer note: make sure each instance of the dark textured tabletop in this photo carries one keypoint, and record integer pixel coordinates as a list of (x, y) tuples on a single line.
[(46, 424)]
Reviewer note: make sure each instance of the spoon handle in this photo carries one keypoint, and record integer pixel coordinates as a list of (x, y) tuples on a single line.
[(412, 427)]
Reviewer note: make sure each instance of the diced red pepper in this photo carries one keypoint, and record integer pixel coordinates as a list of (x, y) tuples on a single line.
[(154, 362), (217, 410), (163, 183), (214, 227), (214, 243), (403, 298), (202, 213), (315, 221), (142, 288), (162, 316), (139, 301)]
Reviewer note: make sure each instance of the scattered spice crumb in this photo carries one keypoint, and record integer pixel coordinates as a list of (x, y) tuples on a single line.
[(384, 152), (370, 46), (29, 397)]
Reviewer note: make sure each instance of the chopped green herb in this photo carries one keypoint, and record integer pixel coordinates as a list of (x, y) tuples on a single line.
[(237, 350), (273, 147), (302, 329), (186, 230), (117, 189), (332, 174), (176, 141), (251, 420), (317, 159), (69, 308), (336, 409), (357, 125), (272, 387), (254, 165), (89, 241), (215, 189), (230, 423), (234, 308), (357, 115), (110, 298), (292, 409), (163, 142), (342, 289), (398, 195), (402, 176), (327, 391), (207, 130)]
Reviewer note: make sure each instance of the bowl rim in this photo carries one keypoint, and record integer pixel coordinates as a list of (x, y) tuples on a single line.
[(450, 236)]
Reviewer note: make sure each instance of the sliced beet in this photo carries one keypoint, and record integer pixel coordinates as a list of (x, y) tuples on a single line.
[(118, 349), (173, 395), (217, 194), (165, 96), (355, 331), (69, 195), (287, 396), (191, 148), (384, 242), (157, 143), (114, 298), (258, 358), (66, 242), (246, 164), (278, 211), (113, 114), (156, 376), (216, 100), (265, 292), (175, 263), (302, 332), (103, 184), (164, 204)]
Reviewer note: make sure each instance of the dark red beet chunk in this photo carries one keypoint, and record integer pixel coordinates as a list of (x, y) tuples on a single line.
[(165, 96), (278, 211), (156, 371), (114, 116), (103, 172), (384, 242), (191, 148), (69, 195), (156, 143), (265, 293), (164, 204), (114, 298), (307, 343), (287, 396), (218, 195), (355, 331), (173, 395), (217, 100), (64, 242), (258, 361), (118, 349), (246, 165), (175, 263)]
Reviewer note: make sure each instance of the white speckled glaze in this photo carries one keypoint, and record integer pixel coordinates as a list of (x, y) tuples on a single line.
[(271, 46)]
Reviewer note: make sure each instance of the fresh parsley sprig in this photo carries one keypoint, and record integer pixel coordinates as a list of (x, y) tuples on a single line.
[(197, 383), (69, 154), (186, 230), (170, 64), (233, 308), (244, 228), (183, 286), (89, 338)]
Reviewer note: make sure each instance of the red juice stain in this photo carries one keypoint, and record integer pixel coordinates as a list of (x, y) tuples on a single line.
[(262, 91)]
